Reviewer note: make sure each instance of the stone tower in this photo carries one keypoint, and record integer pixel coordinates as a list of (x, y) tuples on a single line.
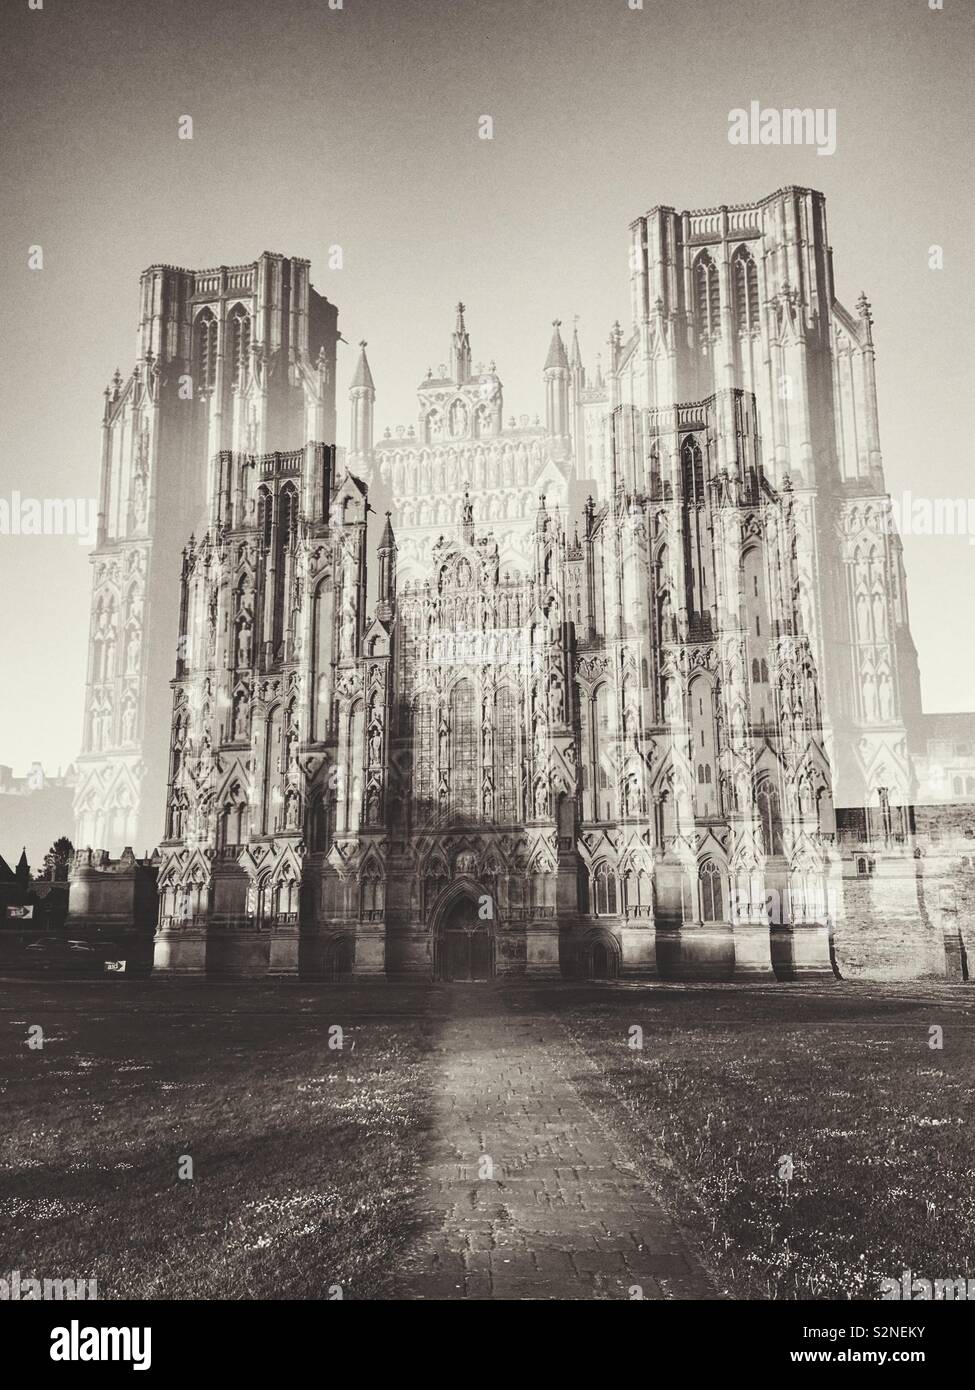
[(239, 358), (743, 297), (272, 601)]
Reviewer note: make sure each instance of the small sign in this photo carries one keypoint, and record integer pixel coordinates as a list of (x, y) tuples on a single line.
[(117, 966), (24, 913)]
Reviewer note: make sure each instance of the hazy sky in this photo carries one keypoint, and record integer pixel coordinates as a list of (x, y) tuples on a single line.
[(359, 127)]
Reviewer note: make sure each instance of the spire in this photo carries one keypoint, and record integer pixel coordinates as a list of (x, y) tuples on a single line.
[(557, 376), (575, 355), (556, 350), (387, 572), (362, 396), (22, 871), (363, 376), (460, 349)]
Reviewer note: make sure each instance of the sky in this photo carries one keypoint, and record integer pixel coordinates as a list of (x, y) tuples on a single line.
[(358, 127)]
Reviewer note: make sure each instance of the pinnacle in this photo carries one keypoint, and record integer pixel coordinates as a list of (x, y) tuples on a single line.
[(556, 350), (363, 376)]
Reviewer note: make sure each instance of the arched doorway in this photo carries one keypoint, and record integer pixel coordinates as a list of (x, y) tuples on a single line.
[(338, 959), (464, 948), (601, 957)]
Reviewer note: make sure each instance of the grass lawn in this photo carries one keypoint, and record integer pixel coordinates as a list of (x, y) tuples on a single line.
[(307, 1158), (879, 1128), (303, 1155)]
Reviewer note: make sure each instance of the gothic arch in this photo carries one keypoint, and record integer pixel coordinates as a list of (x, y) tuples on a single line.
[(692, 470), (711, 891), (240, 342), (205, 350), (600, 955), (462, 897), (769, 808), (707, 294), (604, 890), (744, 279)]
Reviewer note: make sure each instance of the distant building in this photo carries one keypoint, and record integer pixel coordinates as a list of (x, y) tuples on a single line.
[(946, 760), (36, 809)]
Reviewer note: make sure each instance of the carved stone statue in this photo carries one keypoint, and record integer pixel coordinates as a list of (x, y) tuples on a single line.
[(139, 500), (128, 723), (558, 699)]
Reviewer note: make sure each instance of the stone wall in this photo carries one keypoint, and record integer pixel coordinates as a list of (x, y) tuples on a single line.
[(907, 907), (114, 899)]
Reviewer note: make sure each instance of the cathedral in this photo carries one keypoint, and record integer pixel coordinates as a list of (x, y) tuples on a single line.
[(629, 691)]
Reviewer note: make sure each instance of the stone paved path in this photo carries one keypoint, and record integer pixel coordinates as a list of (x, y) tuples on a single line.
[(564, 1214)]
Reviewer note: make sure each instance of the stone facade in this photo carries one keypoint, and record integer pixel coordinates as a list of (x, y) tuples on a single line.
[(627, 691), (543, 752)]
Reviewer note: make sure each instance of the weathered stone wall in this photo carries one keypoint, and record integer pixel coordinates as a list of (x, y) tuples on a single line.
[(114, 898), (946, 836), (907, 909)]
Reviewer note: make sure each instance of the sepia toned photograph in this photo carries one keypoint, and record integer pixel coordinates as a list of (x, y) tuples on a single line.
[(487, 729)]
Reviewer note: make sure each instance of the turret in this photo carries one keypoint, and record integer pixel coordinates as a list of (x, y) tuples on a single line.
[(362, 396), (557, 376)]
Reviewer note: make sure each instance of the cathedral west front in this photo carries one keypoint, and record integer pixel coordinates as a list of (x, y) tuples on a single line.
[(628, 691)]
